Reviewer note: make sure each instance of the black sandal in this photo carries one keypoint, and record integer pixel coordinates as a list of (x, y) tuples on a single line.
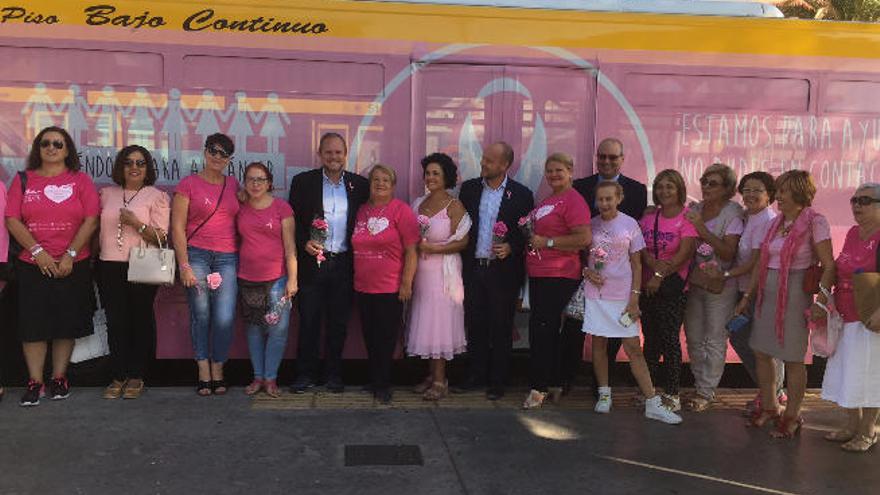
[(204, 389), (218, 387)]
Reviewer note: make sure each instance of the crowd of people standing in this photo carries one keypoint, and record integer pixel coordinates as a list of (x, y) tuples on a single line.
[(455, 263)]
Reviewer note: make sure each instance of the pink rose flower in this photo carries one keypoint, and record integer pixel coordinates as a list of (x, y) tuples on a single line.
[(214, 280)]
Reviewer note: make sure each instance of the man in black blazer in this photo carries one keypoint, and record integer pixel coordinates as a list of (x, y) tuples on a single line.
[(492, 273), (609, 159), (335, 195)]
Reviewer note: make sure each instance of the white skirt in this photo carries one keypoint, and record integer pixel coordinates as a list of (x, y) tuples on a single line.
[(601, 319), (852, 376)]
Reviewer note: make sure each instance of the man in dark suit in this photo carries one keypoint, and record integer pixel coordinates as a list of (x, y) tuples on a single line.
[(335, 195), (493, 272), (609, 159)]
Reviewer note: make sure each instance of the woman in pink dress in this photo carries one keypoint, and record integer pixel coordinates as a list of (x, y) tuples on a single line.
[(436, 329)]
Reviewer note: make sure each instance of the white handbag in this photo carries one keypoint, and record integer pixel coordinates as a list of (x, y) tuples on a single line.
[(152, 265), (95, 345)]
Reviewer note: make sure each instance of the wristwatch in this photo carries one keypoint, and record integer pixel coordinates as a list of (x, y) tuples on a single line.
[(142, 228), (71, 252), (726, 274), (550, 242)]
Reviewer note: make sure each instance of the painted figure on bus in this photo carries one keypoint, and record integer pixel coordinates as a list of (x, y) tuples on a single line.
[(39, 108), (206, 111), (609, 161), (275, 118), (107, 106), (140, 115), (325, 201), (175, 126), (239, 115), (77, 108), (493, 268)]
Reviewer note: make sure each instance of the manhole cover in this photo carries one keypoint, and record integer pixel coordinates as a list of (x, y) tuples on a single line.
[(383, 455)]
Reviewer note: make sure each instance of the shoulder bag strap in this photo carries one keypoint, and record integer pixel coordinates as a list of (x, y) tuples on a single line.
[(216, 207), (656, 225)]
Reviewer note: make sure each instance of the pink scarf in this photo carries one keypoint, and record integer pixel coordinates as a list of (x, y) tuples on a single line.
[(800, 233)]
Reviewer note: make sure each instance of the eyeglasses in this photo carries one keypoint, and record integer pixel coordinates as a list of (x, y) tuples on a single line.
[(256, 180), (747, 190), (217, 152), (863, 200), (603, 156), (57, 144), (709, 183), (128, 162)]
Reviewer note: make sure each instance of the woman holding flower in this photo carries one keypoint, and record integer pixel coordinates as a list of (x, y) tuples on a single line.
[(267, 276), (614, 278), (203, 229), (712, 290), (436, 329), (561, 224)]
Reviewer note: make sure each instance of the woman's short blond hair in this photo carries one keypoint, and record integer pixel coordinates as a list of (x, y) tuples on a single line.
[(676, 179), (728, 178), (560, 157), (385, 169), (801, 185)]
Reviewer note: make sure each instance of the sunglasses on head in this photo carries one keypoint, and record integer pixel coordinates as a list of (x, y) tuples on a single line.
[(128, 162), (57, 144), (709, 183), (217, 152), (863, 200), (604, 156)]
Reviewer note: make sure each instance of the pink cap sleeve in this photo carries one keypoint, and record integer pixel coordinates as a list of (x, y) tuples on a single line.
[(184, 187), (407, 225), (13, 199), (735, 227), (89, 195), (821, 229), (160, 211), (687, 228), (283, 208), (577, 212), (637, 240)]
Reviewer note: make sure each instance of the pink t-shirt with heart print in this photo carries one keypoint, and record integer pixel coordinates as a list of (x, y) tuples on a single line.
[(53, 209), (380, 236)]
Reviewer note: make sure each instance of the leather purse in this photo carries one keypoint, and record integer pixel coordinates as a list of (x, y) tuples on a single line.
[(812, 277), (152, 265)]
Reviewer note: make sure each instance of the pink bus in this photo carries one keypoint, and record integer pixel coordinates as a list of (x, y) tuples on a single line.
[(403, 79)]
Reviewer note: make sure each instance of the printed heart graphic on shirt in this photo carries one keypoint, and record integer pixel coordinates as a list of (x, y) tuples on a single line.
[(376, 225), (544, 211), (58, 194)]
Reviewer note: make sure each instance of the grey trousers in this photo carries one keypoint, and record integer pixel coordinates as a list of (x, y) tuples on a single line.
[(705, 318)]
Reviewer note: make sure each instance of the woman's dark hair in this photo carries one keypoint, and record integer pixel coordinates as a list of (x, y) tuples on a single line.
[(71, 162), (764, 178), (118, 174), (450, 171), (221, 140), (264, 168)]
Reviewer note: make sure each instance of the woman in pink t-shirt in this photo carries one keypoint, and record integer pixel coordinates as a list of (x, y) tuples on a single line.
[(670, 240), (132, 212), (384, 242), (203, 231), (266, 276), (852, 376), (614, 278), (53, 221), (795, 240), (561, 224)]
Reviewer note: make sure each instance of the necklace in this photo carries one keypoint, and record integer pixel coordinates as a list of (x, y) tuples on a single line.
[(125, 203)]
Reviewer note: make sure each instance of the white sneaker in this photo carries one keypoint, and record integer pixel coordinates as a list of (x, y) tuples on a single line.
[(603, 405), (672, 402), (655, 409)]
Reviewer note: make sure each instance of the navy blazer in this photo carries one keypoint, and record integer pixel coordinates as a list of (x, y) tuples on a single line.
[(517, 201), (635, 195), (307, 200)]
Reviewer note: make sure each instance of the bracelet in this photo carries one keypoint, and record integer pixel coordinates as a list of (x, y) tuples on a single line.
[(636, 292), (186, 266), (658, 274), (747, 296), (36, 249), (142, 228)]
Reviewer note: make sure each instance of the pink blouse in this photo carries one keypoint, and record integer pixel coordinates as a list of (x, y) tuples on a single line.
[(856, 256), (150, 205), (803, 258)]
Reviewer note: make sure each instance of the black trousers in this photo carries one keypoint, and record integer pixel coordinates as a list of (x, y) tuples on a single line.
[(327, 298), (548, 297), (381, 317), (490, 295), (661, 324), (131, 321)]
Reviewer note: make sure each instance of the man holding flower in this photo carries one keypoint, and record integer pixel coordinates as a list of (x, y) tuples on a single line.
[(324, 202), (493, 267)]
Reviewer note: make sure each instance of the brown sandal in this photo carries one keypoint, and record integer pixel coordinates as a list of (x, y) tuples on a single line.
[(700, 404), (423, 387), (860, 443), (114, 390), (133, 389), (842, 436), (437, 391)]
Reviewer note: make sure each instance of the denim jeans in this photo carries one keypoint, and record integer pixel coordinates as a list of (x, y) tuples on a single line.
[(267, 343), (212, 312)]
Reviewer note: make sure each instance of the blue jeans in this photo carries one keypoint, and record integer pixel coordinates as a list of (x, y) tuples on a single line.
[(267, 343), (212, 312)]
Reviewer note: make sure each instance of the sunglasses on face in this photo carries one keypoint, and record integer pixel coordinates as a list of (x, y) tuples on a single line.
[(863, 200), (57, 144), (603, 156), (217, 152), (128, 162), (709, 183), (257, 180)]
